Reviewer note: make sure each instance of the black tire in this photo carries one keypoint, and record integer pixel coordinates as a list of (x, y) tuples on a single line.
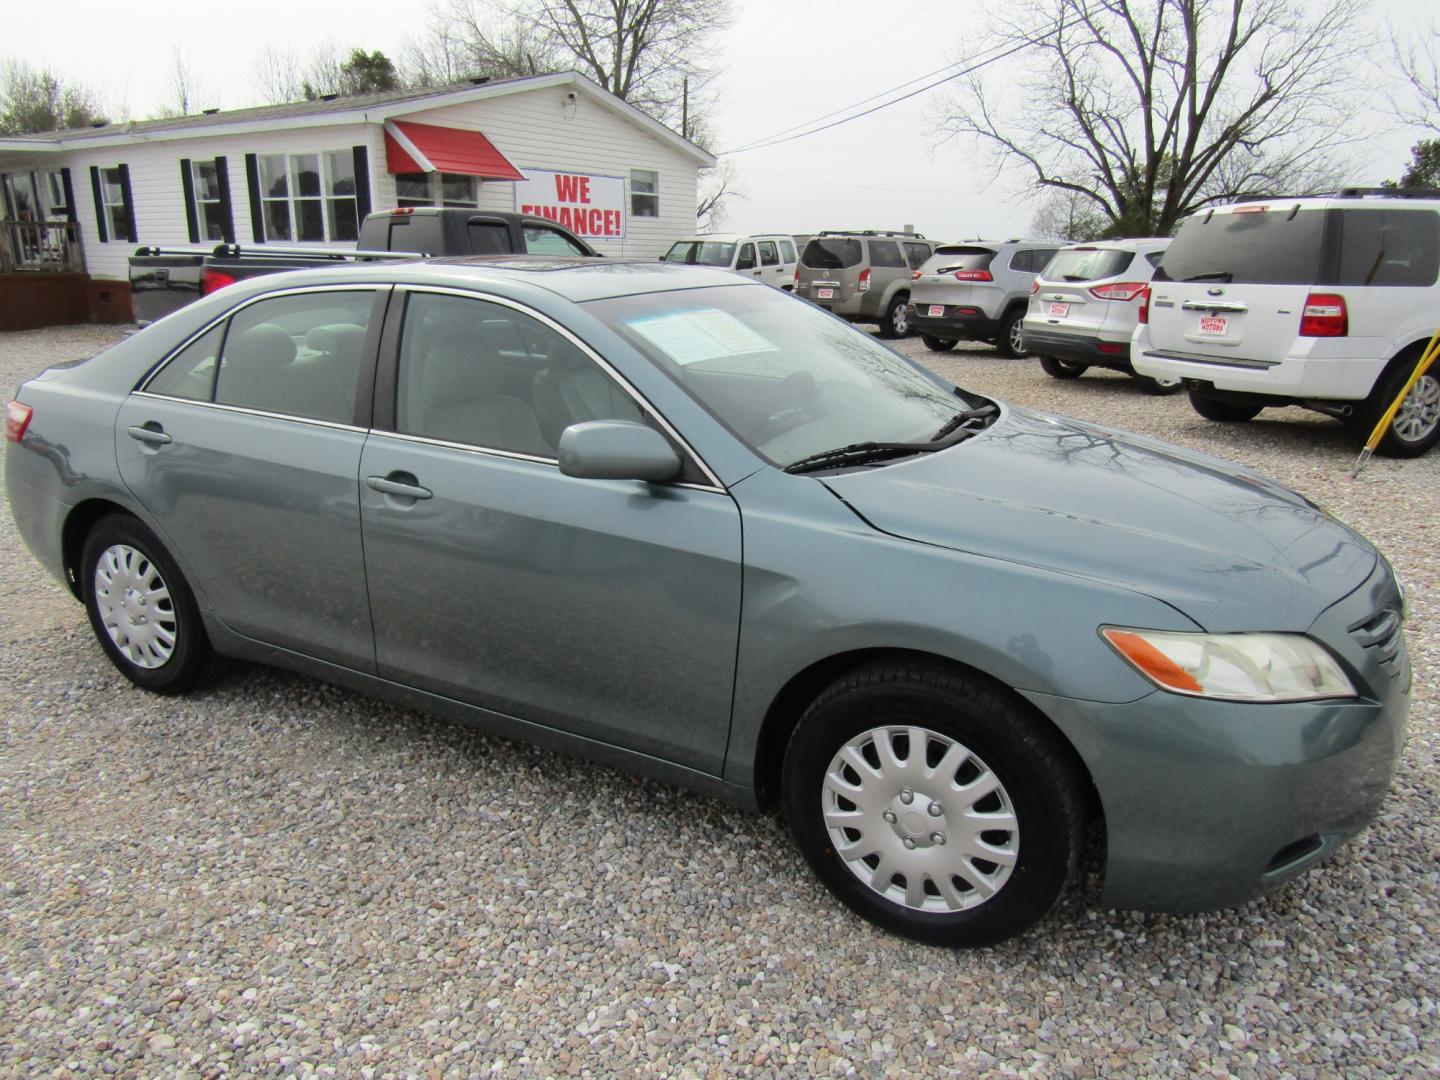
[(1031, 763), (1416, 427), (896, 323), (937, 344), (190, 655), (1224, 412), (1062, 369), (1158, 388), (1011, 340)]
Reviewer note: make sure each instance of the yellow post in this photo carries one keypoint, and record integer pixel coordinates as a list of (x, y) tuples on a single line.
[(1428, 357)]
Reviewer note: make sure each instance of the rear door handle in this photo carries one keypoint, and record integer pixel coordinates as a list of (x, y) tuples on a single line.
[(386, 486), (151, 433)]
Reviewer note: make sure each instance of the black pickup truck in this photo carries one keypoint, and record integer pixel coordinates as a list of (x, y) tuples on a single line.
[(163, 279)]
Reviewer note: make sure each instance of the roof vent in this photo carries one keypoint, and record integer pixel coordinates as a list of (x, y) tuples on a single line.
[(209, 112), (328, 97), (480, 80)]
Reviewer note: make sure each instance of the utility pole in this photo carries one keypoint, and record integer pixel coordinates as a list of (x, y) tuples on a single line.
[(685, 107)]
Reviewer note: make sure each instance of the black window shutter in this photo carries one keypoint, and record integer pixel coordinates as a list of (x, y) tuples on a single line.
[(362, 183), (227, 216), (129, 203), (5, 196), (99, 204), (187, 182), (257, 215), (71, 212)]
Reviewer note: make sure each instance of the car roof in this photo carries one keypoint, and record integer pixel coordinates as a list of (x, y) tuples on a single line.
[(1136, 243), (1325, 202), (732, 237)]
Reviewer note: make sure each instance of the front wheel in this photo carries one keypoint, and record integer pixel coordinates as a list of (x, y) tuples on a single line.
[(896, 323), (141, 608), (1062, 369), (1218, 409), (1011, 342), (937, 344), (932, 805)]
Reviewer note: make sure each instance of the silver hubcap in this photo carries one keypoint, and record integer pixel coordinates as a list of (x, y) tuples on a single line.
[(900, 321), (135, 606), (920, 819), (1017, 337), (1420, 411)]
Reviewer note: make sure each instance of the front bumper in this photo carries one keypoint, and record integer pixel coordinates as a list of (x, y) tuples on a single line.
[(1208, 804), (959, 322), (1088, 349)]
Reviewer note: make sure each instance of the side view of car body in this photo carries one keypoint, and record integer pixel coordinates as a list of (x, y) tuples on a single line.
[(1322, 302), (863, 275), (667, 519), (769, 258), (977, 291), (1086, 304)]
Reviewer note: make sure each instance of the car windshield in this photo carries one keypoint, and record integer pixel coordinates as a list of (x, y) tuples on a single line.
[(1256, 245), (1087, 264), (787, 379), (831, 253), (701, 252)]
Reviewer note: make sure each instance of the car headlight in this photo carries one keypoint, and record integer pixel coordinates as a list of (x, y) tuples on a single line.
[(1232, 667)]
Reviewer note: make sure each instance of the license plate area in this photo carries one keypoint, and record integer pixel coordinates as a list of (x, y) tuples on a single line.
[(935, 310), (1057, 311), (1214, 325), (825, 294)]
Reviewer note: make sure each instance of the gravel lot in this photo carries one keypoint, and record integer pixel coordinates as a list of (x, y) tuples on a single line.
[(280, 877)]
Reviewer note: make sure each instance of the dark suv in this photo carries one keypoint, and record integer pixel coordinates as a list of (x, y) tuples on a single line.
[(863, 276)]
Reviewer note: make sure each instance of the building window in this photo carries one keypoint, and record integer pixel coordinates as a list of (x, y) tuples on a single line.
[(309, 197), (436, 189), (644, 193), (115, 204), (209, 205)]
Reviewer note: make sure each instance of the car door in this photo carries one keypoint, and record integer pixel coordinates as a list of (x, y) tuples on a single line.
[(245, 446), (771, 270), (604, 608), (745, 260)]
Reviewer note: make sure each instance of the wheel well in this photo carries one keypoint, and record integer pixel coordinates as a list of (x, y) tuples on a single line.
[(1014, 306), (81, 520), (803, 688)]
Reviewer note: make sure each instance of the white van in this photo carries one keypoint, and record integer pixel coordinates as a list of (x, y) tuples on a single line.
[(1322, 302), (768, 257)]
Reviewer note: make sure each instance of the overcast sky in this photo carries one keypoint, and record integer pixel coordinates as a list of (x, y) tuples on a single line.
[(785, 63)]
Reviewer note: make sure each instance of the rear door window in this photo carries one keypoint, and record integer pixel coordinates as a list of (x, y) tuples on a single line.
[(489, 238), (1389, 247), (190, 374), (885, 253), (1087, 264), (542, 241), (1257, 246), (746, 259), (418, 233), (831, 253), (1031, 261), (916, 254), (787, 251), (769, 256)]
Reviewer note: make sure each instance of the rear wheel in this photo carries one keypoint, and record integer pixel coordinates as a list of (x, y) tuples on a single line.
[(141, 608), (1062, 369), (1416, 427), (1160, 387), (896, 323), (936, 344), (1225, 412), (1011, 341), (933, 805)]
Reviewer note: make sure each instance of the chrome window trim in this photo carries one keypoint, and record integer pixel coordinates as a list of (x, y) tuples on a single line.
[(515, 455), (605, 366), (292, 290), (253, 412)]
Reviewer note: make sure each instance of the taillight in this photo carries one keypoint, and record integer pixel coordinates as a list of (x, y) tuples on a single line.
[(402, 211), (17, 419), (1324, 316), (1034, 286), (1144, 303), (797, 275), (973, 275), (864, 280), (915, 276), (211, 280), (1121, 290)]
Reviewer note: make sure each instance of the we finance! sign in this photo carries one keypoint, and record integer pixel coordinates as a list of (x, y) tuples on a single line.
[(587, 204)]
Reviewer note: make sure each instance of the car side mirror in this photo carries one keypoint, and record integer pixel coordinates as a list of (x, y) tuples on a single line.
[(745, 264), (617, 450)]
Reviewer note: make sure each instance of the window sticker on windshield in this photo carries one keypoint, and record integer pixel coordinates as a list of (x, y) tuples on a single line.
[(688, 337)]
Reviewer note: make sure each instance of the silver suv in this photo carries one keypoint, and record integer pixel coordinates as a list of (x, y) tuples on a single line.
[(863, 276), (1326, 302), (977, 291), (1085, 306)]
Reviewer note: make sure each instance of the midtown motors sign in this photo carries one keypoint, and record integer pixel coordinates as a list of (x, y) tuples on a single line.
[(587, 204)]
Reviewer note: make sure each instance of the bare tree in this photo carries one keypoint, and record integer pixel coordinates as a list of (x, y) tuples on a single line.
[(1148, 109), (719, 187), (186, 92), (33, 100), (1067, 215), (277, 75), (1418, 102)]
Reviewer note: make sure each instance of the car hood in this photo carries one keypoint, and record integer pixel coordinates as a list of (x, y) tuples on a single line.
[(1226, 546)]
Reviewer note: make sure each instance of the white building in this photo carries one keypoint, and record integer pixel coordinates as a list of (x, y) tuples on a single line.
[(559, 145)]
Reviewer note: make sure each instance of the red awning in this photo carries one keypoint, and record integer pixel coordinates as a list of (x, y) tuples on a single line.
[(412, 148)]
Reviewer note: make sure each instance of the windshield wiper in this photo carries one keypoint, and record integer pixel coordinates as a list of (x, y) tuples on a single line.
[(1213, 275), (863, 453)]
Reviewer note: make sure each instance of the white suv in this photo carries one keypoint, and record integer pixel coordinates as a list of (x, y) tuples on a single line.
[(769, 257), (1322, 302)]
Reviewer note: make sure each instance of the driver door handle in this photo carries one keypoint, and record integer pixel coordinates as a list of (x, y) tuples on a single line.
[(151, 433), (386, 486)]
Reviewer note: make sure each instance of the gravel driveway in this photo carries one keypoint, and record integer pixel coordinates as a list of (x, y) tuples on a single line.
[(280, 877)]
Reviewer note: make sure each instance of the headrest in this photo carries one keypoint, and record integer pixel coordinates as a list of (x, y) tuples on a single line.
[(337, 339), (264, 346), (458, 374)]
